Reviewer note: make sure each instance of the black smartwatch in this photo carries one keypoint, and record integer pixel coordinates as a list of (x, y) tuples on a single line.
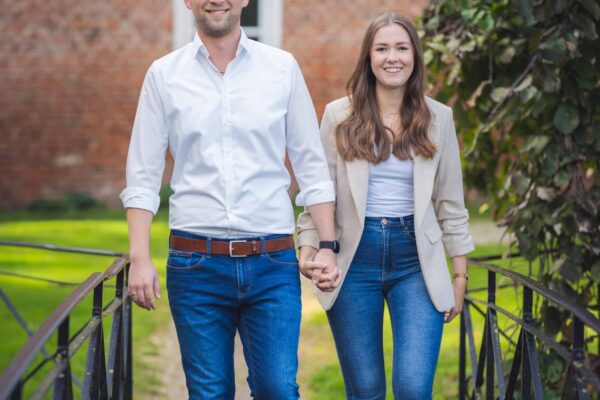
[(333, 245)]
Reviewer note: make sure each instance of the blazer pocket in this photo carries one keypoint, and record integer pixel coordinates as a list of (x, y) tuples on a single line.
[(433, 233)]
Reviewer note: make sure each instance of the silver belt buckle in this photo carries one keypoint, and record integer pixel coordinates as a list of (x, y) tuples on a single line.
[(231, 242)]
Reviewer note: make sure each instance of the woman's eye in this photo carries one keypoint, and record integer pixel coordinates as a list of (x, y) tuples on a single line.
[(380, 49)]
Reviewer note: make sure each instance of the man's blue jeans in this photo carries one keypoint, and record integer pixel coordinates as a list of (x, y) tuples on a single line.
[(212, 295), (386, 268)]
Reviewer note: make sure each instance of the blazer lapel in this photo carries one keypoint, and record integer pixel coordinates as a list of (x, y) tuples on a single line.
[(358, 179), (424, 170), (423, 179)]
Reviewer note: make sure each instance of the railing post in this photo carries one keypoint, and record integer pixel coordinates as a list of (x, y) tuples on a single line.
[(128, 353), (115, 348), (578, 358), (489, 379), (494, 368), (63, 387), (94, 384), (525, 367), (17, 393), (462, 362), (515, 368), (531, 376)]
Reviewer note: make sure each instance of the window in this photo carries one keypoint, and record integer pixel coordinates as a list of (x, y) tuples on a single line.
[(261, 19)]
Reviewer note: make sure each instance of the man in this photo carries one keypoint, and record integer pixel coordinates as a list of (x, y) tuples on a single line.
[(228, 108)]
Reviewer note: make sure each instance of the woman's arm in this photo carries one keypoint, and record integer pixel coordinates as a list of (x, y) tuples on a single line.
[(452, 216), (448, 195), (459, 265), (308, 238)]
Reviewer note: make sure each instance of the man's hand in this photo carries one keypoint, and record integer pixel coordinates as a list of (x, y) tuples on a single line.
[(320, 267), (460, 287), (308, 267), (143, 283), (330, 276)]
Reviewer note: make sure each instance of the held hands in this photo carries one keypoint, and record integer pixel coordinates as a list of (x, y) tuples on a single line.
[(143, 283), (460, 287), (320, 267)]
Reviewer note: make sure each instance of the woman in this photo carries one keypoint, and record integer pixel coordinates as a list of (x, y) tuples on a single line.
[(394, 157)]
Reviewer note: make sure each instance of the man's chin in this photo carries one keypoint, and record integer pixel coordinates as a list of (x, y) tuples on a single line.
[(216, 30)]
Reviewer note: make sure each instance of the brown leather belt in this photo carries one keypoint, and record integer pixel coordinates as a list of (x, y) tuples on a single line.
[(231, 248)]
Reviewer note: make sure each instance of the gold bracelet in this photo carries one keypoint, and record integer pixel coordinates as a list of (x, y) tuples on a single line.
[(461, 275)]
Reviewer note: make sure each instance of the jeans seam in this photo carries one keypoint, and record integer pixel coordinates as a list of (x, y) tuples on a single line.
[(250, 362), (249, 278), (237, 271), (383, 258), (389, 268)]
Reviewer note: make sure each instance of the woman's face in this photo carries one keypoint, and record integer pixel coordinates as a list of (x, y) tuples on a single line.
[(392, 57)]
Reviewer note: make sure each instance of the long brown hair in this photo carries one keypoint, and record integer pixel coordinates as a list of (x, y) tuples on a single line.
[(363, 130)]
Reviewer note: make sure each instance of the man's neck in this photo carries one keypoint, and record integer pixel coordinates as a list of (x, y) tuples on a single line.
[(221, 49)]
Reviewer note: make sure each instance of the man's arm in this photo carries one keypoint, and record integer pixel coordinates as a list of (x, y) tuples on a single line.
[(145, 165), (143, 283)]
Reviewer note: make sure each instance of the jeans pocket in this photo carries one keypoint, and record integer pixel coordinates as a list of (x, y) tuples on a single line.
[(179, 260), (409, 231), (283, 257)]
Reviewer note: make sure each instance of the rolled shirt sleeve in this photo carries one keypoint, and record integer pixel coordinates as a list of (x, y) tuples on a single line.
[(320, 192), (304, 145), (149, 141)]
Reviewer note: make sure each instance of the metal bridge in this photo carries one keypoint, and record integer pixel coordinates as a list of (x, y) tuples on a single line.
[(482, 367)]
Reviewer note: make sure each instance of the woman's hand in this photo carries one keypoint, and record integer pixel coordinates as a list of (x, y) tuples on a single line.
[(460, 287)]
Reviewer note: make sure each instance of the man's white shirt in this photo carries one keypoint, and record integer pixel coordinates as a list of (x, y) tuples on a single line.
[(228, 135)]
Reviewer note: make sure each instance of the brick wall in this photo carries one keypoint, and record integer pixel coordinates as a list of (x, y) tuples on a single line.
[(71, 73), (325, 36)]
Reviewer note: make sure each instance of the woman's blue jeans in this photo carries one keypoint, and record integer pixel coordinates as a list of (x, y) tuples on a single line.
[(212, 296), (386, 268)]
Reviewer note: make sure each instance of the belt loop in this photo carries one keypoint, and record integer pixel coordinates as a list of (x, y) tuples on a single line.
[(263, 247), (208, 243), (402, 222)]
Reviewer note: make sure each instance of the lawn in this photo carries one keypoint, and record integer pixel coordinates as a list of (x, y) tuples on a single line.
[(36, 299), (320, 376)]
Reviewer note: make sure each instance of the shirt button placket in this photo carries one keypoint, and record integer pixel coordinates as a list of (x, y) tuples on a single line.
[(227, 150)]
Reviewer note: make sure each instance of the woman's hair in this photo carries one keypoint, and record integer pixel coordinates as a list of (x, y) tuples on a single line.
[(363, 130)]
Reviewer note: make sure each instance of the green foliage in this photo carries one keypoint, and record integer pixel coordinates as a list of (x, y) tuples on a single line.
[(523, 79)]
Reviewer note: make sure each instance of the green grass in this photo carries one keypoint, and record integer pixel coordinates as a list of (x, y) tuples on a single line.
[(35, 300)]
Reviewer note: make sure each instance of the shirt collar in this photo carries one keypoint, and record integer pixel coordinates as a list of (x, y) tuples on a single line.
[(245, 44)]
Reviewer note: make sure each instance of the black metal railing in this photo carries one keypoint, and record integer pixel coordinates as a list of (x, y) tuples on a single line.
[(103, 377), (487, 368)]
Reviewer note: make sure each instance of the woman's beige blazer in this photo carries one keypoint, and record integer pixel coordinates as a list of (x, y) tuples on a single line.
[(441, 220)]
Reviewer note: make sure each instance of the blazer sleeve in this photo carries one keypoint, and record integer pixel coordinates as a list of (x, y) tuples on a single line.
[(307, 233), (448, 196)]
